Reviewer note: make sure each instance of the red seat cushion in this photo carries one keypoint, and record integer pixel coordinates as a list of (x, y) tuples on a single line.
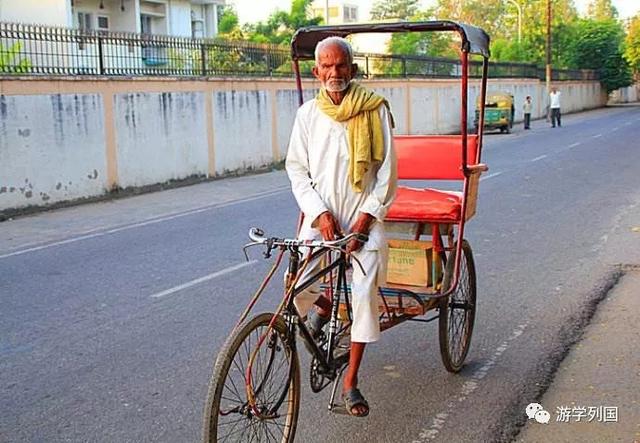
[(425, 205)]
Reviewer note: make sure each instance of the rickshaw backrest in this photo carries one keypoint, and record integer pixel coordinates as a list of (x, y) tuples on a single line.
[(433, 157)]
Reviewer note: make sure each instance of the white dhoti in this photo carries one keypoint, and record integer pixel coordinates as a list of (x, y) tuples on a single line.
[(318, 167), (364, 286)]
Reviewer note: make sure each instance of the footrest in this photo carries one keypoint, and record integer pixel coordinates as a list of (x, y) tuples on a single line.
[(397, 301)]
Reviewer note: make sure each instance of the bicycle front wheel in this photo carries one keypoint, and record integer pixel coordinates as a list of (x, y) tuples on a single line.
[(275, 380)]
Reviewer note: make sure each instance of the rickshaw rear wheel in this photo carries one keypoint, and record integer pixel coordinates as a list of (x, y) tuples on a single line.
[(276, 385), (457, 311)]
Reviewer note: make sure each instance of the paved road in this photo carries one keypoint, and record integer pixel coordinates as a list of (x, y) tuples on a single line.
[(111, 313)]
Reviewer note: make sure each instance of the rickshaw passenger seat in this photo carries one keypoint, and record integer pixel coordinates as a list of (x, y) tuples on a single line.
[(430, 158)]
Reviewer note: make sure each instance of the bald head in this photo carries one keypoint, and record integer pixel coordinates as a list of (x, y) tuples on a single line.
[(338, 42)]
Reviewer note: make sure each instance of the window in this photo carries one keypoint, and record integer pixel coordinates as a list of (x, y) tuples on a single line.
[(153, 54), (145, 24), (350, 14), (103, 23), (197, 28), (84, 21), (83, 24)]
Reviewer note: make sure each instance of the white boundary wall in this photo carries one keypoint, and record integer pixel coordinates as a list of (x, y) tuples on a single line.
[(630, 94), (67, 139)]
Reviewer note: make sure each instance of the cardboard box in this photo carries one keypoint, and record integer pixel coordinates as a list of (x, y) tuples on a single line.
[(410, 263)]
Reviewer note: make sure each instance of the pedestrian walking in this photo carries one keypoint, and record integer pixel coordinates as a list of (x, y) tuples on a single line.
[(554, 105), (526, 108)]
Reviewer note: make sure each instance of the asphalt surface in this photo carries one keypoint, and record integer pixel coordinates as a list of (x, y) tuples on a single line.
[(594, 395), (111, 314)]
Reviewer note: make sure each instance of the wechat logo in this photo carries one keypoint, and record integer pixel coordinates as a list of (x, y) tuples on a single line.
[(536, 411)]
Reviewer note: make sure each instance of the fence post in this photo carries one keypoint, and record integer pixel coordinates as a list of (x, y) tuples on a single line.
[(268, 61), (203, 55), (366, 65), (100, 57), (404, 67)]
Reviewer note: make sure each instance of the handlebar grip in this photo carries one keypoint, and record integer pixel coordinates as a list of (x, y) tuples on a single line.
[(362, 237), (256, 234)]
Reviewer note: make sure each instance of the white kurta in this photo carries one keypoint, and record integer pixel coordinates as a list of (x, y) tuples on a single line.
[(318, 167)]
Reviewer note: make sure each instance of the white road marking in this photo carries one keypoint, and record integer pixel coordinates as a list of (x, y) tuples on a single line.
[(486, 177), (539, 158), (597, 135), (197, 281), (158, 219), (430, 433), (573, 145), (615, 129)]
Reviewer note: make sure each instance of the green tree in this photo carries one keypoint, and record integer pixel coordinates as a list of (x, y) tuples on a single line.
[(281, 25), (435, 44), (602, 10), (486, 14), (508, 50), (598, 45), (228, 20), (229, 25), (11, 59), (534, 31), (632, 41), (394, 9)]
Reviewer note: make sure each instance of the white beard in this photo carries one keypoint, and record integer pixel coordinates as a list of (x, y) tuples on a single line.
[(336, 85)]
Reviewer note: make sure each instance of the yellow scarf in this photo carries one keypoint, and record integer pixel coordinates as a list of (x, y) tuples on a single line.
[(359, 109)]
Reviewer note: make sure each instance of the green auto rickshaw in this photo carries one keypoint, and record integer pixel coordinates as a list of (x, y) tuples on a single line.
[(498, 111)]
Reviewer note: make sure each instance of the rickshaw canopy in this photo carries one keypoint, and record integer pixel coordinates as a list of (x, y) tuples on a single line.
[(474, 40)]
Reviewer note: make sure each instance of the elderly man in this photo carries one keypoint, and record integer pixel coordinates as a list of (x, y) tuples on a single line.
[(343, 175)]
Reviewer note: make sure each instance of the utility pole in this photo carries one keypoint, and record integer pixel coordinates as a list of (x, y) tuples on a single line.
[(519, 19), (326, 12), (548, 70)]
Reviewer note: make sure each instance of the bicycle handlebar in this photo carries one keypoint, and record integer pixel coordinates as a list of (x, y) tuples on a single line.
[(258, 237)]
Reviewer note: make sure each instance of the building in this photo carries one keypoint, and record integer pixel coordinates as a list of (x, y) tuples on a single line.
[(181, 18), (340, 12), (343, 12)]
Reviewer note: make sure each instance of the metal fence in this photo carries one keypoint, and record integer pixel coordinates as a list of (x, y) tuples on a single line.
[(31, 49)]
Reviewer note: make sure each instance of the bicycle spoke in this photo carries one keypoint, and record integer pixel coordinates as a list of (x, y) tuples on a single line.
[(235, 389), (232, 430), (268, 430), (241, 418)]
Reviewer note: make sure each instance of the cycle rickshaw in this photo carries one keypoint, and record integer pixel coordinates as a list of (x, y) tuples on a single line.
[(254, 393)]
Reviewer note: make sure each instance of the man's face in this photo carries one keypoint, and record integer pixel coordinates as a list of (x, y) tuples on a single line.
[(333, 68)]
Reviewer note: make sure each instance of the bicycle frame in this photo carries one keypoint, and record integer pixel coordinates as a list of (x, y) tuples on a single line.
[(329, 365), (325, 358)]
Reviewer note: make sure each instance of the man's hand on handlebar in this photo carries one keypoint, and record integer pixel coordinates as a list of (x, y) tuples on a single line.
[(361, 226), (328, 226)]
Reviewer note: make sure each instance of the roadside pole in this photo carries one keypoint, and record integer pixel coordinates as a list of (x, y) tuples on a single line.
[(548, 54)]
